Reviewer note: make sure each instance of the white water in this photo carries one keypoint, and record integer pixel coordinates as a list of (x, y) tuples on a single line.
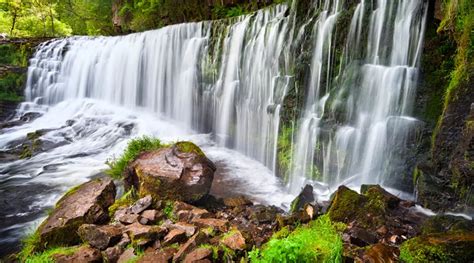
[(375, 90)]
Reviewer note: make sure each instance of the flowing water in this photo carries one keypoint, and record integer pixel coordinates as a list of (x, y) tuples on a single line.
[(222, 84)]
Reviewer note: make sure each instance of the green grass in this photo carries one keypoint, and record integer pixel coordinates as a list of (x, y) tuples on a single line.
[(47, 256), (31, 244), (319, 241), (168, 210), (134, 148)]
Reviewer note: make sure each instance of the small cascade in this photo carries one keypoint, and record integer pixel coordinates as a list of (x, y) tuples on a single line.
[(353, 125)]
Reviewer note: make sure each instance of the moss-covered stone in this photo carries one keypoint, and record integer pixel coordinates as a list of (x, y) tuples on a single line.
[(346, 205), (439, 248)]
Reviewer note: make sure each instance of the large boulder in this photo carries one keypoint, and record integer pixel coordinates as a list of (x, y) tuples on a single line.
[(178, 172), (86, 204)]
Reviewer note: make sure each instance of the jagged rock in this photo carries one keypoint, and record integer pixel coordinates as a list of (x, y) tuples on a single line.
[(179, 172), (162, 256), (125, 217), (152, 216), (141, 205), (100, 237), (197, 255), (137, 231), (234, 240), (112, 254), (380, 253), (219, 224), (263, 214), (192, 243), (376, 191), (187, 228), (88, 204), (305, 197), (174, 236), (84, 254), (237, 201), (362, 237), (127, 256)]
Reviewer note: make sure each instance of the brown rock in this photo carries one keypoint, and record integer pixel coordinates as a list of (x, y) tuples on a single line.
[(234, 240), (100, 237), (219, 224), (263, 214), (192, 243), (127, 256), (138, 231), (237, 201), (112, 254), (198, 254), (125, 217), (163, 256), (152, 216), (380, 253), (88, 204), (141, 205), (174, 236), (84, 254), (362, 237), (188, 228), (179, 172)]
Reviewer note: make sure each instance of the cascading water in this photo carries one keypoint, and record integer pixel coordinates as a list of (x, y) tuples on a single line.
[(352, 124), (225, 83)]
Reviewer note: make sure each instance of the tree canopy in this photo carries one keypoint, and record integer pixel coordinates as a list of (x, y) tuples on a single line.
[(48, 18)]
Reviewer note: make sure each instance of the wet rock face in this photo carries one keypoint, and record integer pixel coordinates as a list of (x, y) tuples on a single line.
[(100, 237), (87, 204), (180, 172)]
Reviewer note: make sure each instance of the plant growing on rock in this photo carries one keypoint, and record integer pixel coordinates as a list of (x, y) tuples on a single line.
[(134, 148)]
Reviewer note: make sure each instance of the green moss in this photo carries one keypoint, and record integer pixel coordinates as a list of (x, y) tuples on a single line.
[(319, 241), (282, 233), (189, 147), (134, 148), (127, 199), (458, 22), (345, 204), (438, 248)]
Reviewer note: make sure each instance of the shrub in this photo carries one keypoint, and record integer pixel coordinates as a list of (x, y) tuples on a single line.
[(319, 241)]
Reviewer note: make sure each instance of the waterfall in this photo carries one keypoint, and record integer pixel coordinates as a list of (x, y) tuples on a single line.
[(231, 75), (230, 78), (352, 124)]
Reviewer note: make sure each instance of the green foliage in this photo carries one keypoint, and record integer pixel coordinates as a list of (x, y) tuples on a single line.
[(285, 150), (319, 241), (134, 148), (30, 245), (168, 210), (51, 18), (127, 199), (47, 256), (11, 86)]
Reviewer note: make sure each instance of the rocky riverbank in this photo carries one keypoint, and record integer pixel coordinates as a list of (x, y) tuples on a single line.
[(167, 215)]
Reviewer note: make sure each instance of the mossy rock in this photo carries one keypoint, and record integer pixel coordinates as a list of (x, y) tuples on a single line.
[(446, 224), (346, 205), (439, 248), (178, 172)]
